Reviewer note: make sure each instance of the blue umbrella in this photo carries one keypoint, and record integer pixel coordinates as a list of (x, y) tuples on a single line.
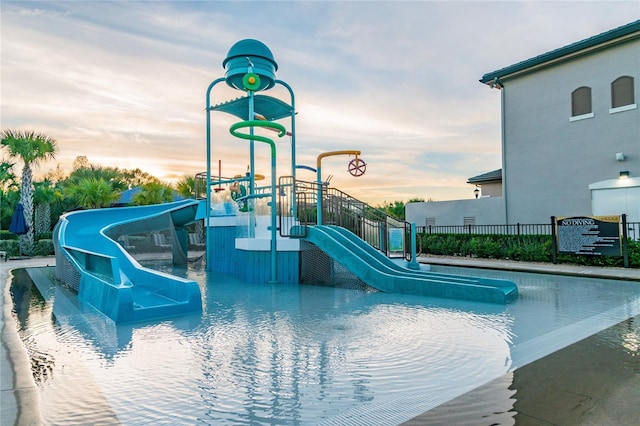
[(18, 224)]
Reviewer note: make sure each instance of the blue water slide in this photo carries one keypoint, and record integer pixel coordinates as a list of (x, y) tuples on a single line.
[(380, 272), (110, 279)]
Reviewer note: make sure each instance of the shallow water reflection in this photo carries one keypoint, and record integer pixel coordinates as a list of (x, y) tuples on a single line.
[(292, 354)]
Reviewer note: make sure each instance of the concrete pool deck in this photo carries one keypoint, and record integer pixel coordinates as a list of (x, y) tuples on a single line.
[(627, 274), (565, 387), (20, 398)]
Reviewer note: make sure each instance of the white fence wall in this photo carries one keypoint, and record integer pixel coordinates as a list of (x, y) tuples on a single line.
[(484, 211)]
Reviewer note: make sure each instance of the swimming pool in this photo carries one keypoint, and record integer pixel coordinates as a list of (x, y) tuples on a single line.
[(289, 354)]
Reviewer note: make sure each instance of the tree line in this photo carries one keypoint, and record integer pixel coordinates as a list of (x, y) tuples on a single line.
[(88, 186)]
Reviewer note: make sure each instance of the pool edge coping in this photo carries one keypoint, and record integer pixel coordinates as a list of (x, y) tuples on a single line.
[(20, 394), (600, 272)]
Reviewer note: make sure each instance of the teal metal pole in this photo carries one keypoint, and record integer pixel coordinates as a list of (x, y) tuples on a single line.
[(274, 246), (208, 187), (319, 200), (293, 128), (251, 232), (259, 138), (294, 207), (414, 262)]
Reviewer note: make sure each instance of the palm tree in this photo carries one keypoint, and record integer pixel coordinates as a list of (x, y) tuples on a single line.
[(111, 175), (7, 177), (153, 193), (92, 192), (31, 148), (186, 187), (45, 194)]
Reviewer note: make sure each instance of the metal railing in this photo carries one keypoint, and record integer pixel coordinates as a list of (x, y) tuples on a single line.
[(633, 229), (338, 208), (514, 229)]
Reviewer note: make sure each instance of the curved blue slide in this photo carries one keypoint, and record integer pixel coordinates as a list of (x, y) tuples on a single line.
[(380, 272), (110, 279)]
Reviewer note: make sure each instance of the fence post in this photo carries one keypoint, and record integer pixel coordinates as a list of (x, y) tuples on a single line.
[(625, 241), (518, 228), (554, 242)]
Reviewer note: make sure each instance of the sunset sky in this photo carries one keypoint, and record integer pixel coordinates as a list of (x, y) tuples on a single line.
[(124, 83)]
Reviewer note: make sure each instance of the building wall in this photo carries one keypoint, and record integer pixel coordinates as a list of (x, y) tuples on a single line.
[(616, 196), (493, 189), (485, 211), (548, 160)]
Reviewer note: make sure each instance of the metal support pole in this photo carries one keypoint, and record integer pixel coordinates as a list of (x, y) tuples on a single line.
[(274, 247), (251, 231), (414, 262), (625, 241), (252, 137), (319, 176), (294, 206), (319, 196), (208, 187), (554, 241)]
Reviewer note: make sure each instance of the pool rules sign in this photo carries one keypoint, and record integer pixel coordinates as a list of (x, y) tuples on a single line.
[(590, 235), (596, 235)]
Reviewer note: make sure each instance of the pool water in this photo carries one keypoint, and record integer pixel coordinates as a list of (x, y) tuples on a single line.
[(297, 354)]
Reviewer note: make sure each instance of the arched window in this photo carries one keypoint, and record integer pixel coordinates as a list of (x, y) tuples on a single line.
[(581, 101), (622, 92)]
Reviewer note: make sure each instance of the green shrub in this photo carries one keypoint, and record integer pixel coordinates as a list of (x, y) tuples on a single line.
[(634, 253), (6, 235), (526, 248), (445, 244), (44, 236), (487, 246), (43, 248), (12, 247)]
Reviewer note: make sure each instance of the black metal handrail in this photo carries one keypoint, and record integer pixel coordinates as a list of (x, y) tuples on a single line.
[(338, 208)]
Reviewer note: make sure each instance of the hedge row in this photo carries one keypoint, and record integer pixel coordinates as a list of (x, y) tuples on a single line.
[(43, 247), (526, 248), (6, 235)]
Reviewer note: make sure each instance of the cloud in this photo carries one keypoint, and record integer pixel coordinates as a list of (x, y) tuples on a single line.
[(124, 82)]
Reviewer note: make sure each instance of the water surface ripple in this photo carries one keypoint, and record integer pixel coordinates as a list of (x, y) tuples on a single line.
[(299, 354)]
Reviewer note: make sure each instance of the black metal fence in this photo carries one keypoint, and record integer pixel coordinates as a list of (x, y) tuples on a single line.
[(633, 229)]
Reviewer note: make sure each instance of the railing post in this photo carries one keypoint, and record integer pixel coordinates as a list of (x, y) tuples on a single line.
[(554, 242), (414, 262), (625, 241)]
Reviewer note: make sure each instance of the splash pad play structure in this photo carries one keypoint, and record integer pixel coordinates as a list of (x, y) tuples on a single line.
[(289, 231)]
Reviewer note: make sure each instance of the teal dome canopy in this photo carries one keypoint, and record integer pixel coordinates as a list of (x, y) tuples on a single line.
[(246, 53)]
